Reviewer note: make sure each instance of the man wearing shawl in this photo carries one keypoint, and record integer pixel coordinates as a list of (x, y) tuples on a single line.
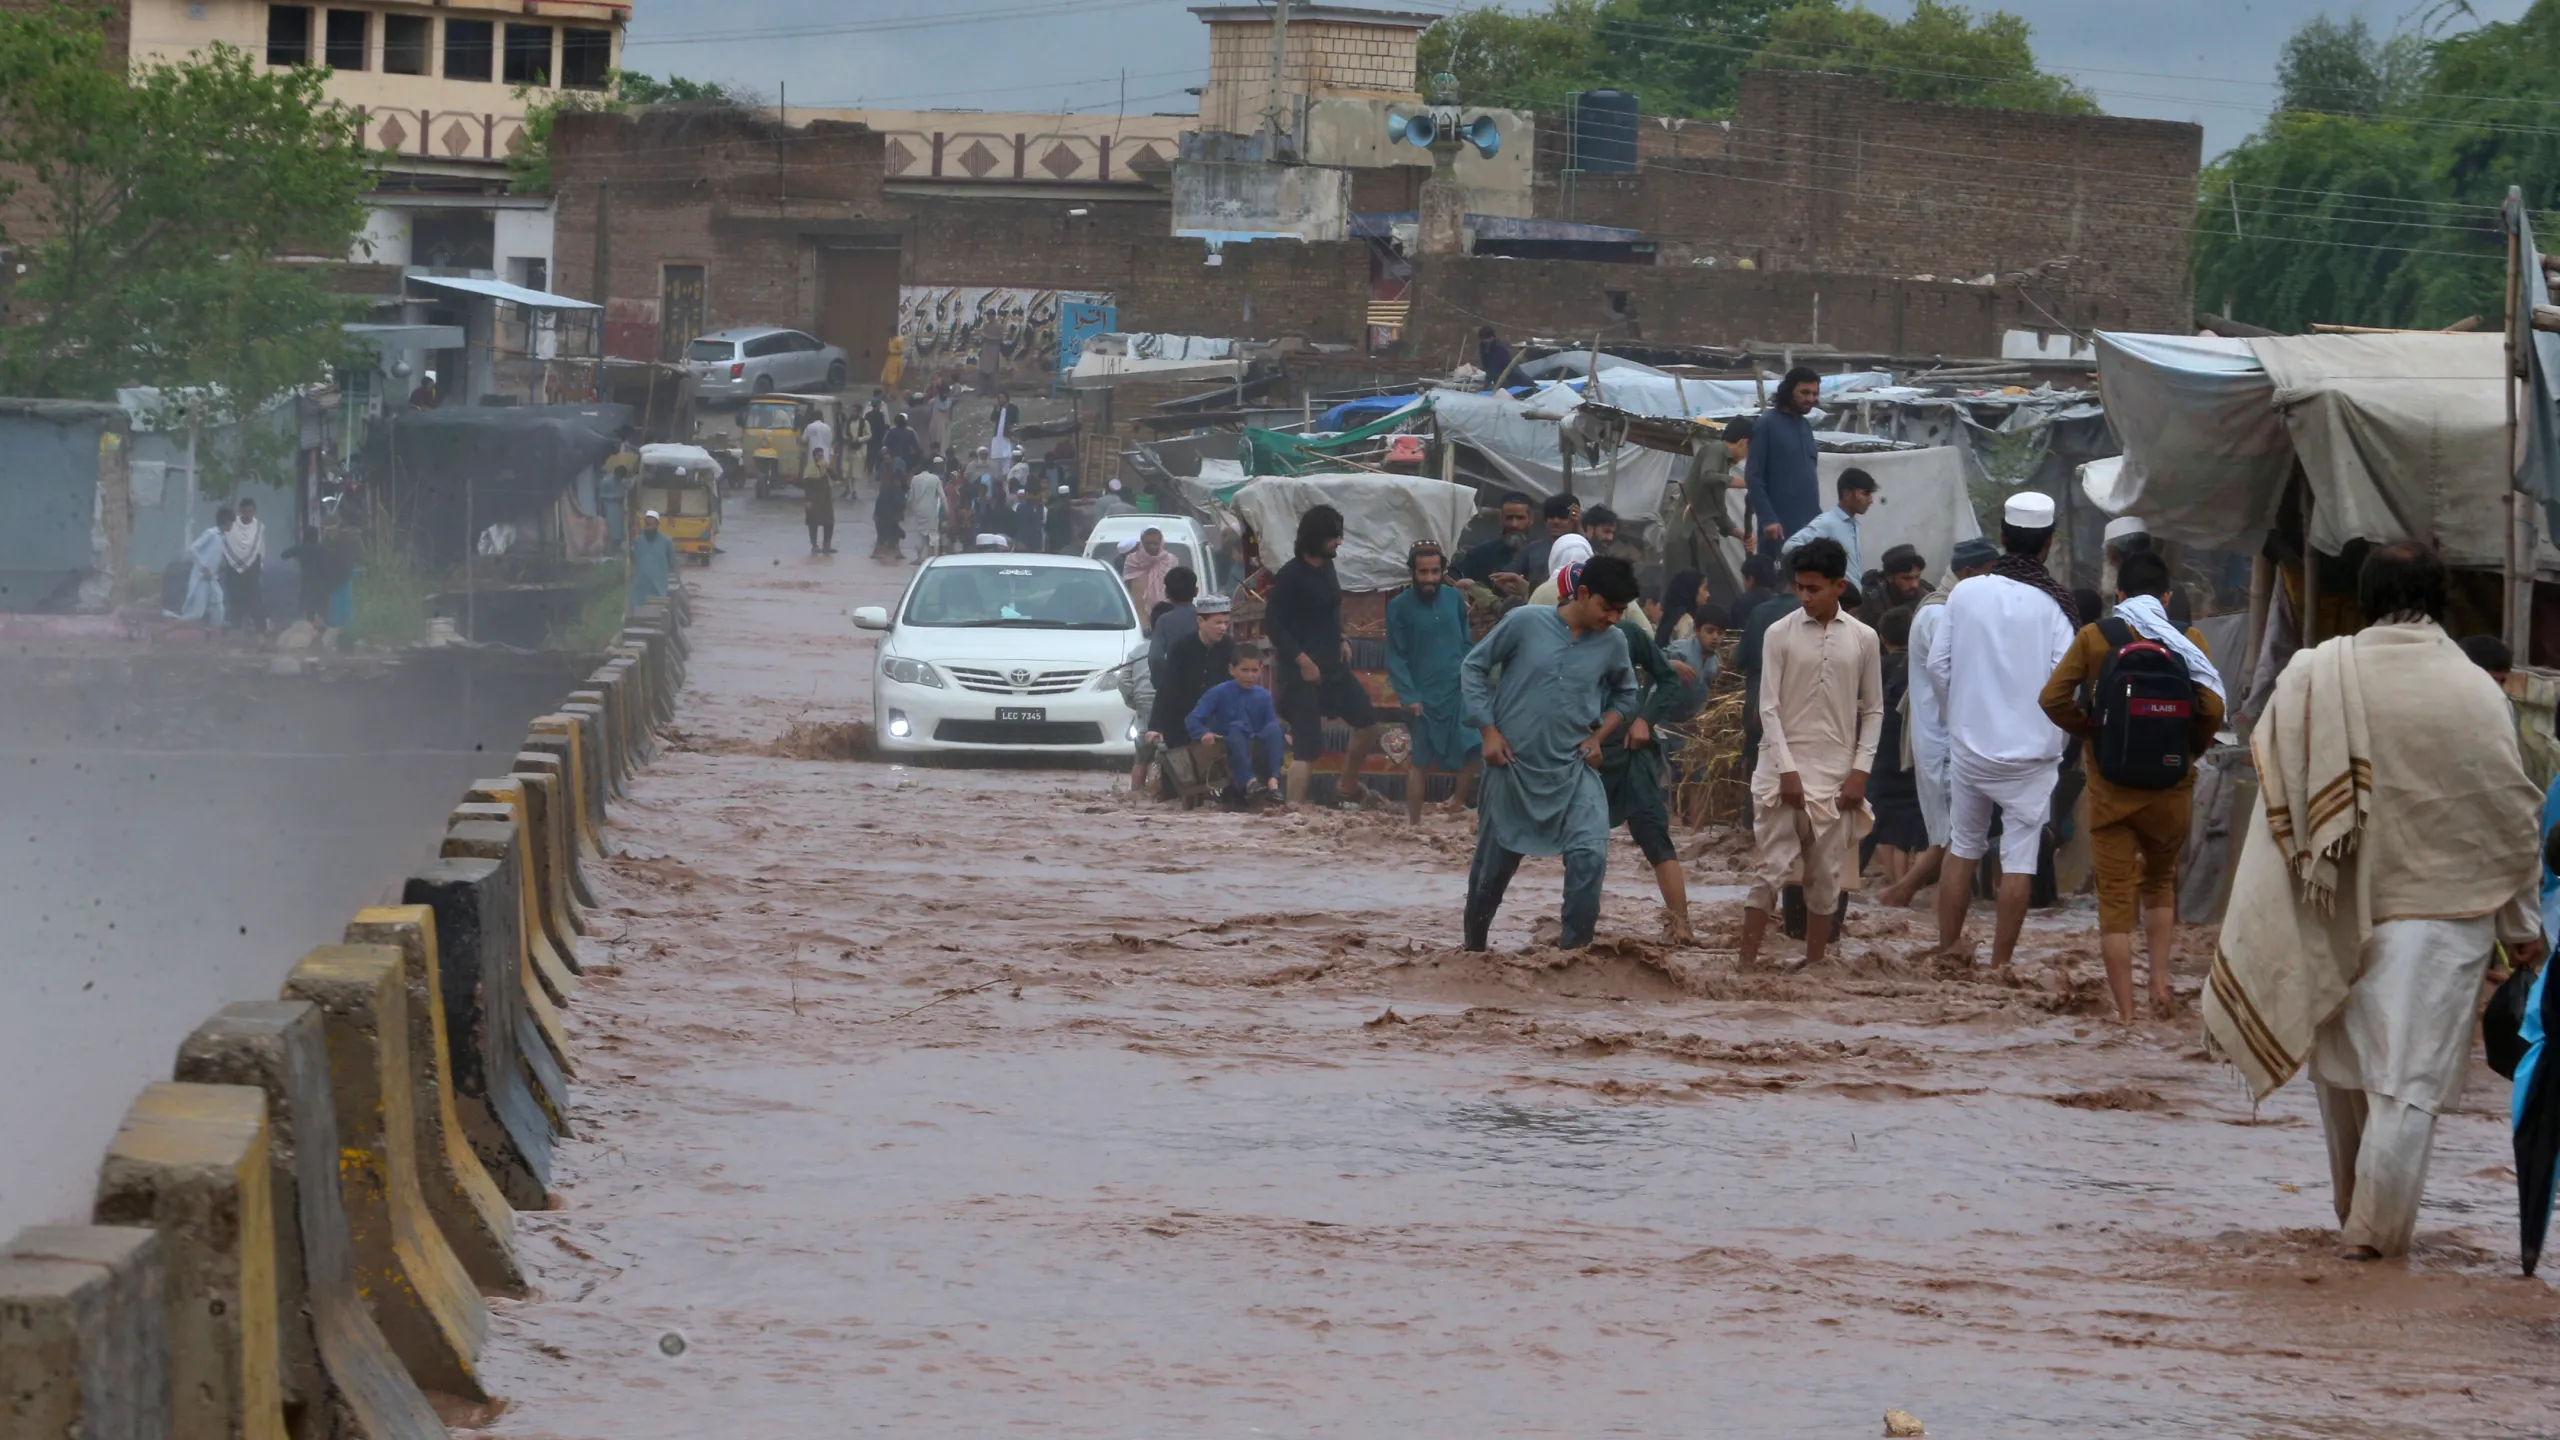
[(1427, 640), (1564, 689), (2391, 849), (2135, 835), (244, 564), (1142, 568), (2003, 633)]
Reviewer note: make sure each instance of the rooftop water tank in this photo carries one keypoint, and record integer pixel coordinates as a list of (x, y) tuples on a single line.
[(1603, 131)]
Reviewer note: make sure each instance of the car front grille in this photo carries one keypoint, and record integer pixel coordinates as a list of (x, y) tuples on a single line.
[(1018, 732), (1000, 682)]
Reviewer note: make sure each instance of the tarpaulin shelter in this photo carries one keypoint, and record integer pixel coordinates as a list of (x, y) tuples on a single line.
[(446, 475), (2397, 437), (1923, 500), (1277, 452), (1382, 516)]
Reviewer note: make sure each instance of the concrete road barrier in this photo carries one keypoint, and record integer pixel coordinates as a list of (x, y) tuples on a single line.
[(559, 803), (190, 1161), (84, 1334), (481, 964), (538, 805), (457, 1189), (630, 662), (578, 741), (415, 1285), (503, 797), (540, 1038), (341, 1377), (592, 707)]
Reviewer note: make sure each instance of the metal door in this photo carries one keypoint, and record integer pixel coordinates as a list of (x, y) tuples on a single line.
[(679, 309), (858, 308)]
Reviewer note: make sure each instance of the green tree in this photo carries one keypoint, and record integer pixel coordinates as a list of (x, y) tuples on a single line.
[(529, 165), (1943, 54), (157, 215), (2374, 200), (2341, 69), (1687, 57)]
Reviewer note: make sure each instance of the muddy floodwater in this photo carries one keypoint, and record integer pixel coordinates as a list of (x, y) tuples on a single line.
[(972, 1102)]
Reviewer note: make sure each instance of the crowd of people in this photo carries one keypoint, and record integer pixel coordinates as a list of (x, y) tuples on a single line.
[(220, 581), (927, 498)]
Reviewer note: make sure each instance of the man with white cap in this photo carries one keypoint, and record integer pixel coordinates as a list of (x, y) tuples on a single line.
[(2004, 632), (2126, 534), (1924, 727), (653, 560)]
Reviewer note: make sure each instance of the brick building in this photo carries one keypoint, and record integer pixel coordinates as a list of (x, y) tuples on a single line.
[(1825, 173)]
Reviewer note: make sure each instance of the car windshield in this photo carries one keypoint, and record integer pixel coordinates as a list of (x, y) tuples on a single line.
[(762, 416), (710, 349), (1037, 597)]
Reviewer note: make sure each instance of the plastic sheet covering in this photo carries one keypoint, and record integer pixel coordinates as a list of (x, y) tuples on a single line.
[(1923, 500), (2205, 453), (2404, 436), (1518, 438), (447, 474), (2539, 476), (2400, 437), (1278, 452), (1382, 516)]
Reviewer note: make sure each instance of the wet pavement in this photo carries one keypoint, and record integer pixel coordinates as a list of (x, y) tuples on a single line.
[(933, 1101)]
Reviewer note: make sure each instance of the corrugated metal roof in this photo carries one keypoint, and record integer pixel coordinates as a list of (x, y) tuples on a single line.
[(501, 290)]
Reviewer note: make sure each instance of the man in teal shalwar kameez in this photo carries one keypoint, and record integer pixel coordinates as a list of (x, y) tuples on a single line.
[(1632, 771), (1565, 688), (1427, 639)]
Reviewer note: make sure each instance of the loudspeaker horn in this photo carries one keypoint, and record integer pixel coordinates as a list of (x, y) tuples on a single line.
[(1483, 134)]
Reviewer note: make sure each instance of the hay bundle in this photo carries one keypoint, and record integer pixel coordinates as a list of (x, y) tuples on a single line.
[(1711, 787)]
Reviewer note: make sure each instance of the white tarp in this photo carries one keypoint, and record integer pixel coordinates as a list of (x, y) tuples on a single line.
[(1382, 516), (2401, 437), (1923, 500)]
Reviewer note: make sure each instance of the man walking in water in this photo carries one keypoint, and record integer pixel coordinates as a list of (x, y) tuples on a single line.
[(1427, 639), (1821, 711), (2392, 847), (1303, 621), (1566, 687), (2004, 632)]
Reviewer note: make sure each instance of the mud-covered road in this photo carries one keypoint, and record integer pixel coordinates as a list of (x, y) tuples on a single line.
[(970, 1102)]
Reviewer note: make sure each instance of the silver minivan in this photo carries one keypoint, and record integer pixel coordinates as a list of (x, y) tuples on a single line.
[(750, 360)]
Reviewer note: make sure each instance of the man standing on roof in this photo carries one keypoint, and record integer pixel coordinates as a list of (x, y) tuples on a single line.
[(1786, 493), (1857, 492), (1493, 357), (1302, 618), (2003, 634), (1564, 689)]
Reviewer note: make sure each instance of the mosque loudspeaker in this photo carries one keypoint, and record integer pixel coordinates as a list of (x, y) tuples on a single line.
[(1418, 130), (1483, 134)]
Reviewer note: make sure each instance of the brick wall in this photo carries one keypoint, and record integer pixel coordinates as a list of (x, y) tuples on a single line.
[(1823, 172)]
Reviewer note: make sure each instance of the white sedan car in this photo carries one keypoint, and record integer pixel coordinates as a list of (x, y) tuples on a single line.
[(1006, 653)]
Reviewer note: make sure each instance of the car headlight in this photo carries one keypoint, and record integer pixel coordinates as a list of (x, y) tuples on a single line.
[(910, 672), (1117, 677)]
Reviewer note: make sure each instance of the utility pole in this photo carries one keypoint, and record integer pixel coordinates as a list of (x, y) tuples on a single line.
[(1279, 78), (604, 239)]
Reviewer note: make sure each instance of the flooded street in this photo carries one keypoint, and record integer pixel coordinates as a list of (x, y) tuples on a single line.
[(938, 1101)]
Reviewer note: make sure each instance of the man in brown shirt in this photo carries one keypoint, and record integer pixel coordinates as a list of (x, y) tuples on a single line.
[(2135, 835)]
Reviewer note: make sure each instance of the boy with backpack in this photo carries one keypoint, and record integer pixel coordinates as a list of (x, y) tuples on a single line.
[(2147, 699)]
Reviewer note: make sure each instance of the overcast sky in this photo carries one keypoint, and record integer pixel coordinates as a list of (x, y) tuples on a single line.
[(2209, 61)]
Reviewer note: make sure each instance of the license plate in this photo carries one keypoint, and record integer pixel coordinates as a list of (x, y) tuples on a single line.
[(1034, 713)]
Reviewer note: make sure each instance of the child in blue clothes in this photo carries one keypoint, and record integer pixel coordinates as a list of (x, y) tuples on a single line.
[(1239, 712)]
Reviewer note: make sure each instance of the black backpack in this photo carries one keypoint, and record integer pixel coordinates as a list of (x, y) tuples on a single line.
[(2145, 707)]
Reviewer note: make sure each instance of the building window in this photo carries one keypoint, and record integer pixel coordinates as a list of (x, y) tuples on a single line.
[(470, 47), (348, 32), (586, 58), (288, 35), (528, 55), (405, 42), (454, 239)]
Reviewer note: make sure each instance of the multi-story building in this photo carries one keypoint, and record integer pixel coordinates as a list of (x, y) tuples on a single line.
[(443, 89)]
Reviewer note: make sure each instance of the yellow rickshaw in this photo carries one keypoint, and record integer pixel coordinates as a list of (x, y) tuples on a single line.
[(769, 435), (681, 483)]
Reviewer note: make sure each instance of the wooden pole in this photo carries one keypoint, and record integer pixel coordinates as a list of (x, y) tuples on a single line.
[(2262, 587), (2520, 526), (2310, 576)]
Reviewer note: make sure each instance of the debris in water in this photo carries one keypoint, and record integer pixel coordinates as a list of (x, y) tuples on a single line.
[(1385, 1018), (673, 1344), (1902, 1422)]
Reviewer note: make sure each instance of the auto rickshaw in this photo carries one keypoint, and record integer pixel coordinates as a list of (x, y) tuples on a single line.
[(769, 433), (681, 483)]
